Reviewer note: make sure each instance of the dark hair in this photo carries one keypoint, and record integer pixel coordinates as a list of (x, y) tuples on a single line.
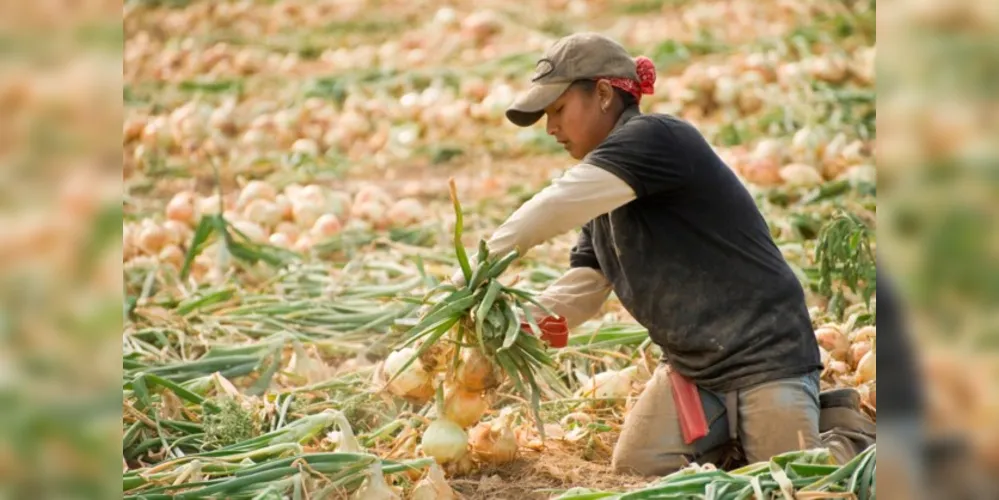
[(589, 86)]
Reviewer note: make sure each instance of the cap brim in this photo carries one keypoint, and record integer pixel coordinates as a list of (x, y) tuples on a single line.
[(530, 105)]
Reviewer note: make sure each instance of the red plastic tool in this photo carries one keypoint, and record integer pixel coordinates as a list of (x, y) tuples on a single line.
[(554, 330), (687, 399)]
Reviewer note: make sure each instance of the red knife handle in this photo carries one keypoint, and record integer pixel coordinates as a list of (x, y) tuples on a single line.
[(554, 331), (687, 399)]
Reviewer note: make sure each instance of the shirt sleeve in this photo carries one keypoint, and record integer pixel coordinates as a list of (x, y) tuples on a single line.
[(576, 296), (645, 154), (583, 193)]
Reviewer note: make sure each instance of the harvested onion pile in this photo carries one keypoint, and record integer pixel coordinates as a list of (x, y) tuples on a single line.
[(472, 338)]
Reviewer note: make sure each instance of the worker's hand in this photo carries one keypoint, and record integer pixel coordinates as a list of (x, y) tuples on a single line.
[(554, 330)]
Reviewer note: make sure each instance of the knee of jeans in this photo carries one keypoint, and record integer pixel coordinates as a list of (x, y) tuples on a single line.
[(646, 464)]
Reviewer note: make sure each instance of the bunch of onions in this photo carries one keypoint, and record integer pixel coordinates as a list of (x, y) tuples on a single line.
[(494, 442)]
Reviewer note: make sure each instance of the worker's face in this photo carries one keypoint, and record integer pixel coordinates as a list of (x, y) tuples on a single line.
[(580, 119)]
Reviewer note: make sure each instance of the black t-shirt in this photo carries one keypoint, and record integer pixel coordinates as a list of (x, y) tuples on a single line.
[(693, 261)]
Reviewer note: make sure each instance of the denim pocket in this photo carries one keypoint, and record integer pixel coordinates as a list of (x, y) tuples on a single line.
[(717, 418)]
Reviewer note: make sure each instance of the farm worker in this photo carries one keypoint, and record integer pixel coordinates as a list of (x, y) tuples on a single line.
[(671, 230)]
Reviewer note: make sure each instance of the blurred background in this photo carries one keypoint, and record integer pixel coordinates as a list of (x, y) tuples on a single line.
[(407, 94)]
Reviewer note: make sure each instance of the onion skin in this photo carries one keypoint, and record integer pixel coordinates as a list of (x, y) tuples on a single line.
[(867, 368), (464, 408), (857, 352), (476, 372), (182, 208), (493, 443), (833, 341), (414, 382)]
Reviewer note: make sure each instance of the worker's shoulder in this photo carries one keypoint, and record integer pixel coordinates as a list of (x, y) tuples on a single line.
[(657, 124)]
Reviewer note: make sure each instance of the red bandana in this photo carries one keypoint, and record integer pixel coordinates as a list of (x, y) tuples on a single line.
[(646, 79)]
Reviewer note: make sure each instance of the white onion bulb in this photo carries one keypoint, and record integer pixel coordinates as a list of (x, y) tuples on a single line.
[(609, 384), (263, 212), (252, 230), (375, 487), (800, 175), (434, 486), (413, 381), (445, 441), (256, 190), (405, 212)]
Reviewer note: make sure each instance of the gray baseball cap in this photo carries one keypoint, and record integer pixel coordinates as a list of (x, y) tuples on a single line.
[(582, 56)]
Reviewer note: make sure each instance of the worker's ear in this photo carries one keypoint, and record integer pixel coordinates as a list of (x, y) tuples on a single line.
[(605, 95)]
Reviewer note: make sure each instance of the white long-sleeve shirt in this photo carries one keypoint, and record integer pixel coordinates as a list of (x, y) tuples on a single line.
[(583, 193)]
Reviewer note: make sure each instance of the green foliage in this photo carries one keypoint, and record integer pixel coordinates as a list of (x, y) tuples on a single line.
[(846, 261)]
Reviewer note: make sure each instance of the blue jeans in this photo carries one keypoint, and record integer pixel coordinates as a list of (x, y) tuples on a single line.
[(773, 418)]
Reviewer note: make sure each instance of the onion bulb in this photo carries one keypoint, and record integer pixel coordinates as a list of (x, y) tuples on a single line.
[(800, 175), (303, 244), (263, 212), (306, 211), (832, 339), (375, 487), (611, 384), (283, 205), (181, 207), (209, 205), (151, 238), (252, 230), (412, 382), (824, 356), (280, 240), (476, 372), (178, 232), (864, 334), (494, 442), (338, 203), (867, 368), (445, 441), (289, 229), (306, 147), (762, 172), (405, 212), (370, 211), (172, 255), (857, 352), (464, 407), (433, 487), (311, 192), (256, 190), (326, 226)]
